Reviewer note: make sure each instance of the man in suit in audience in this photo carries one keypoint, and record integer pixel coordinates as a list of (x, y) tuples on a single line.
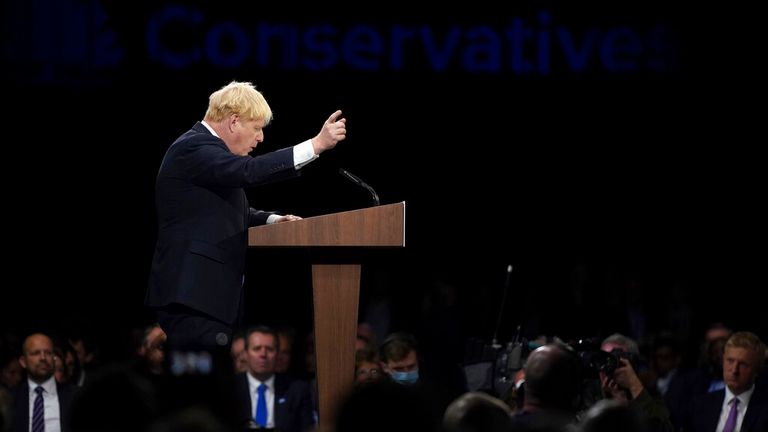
[(267, 399), (740, 406), (705, 378), (37, 359)]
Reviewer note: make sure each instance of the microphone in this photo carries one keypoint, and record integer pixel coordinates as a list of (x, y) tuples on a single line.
[(495, 343), (356, 180)]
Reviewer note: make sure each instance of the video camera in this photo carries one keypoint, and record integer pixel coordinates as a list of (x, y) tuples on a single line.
[(594, 360)]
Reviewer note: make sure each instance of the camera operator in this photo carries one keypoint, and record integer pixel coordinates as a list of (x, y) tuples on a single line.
[(623, 384), (619, 378)]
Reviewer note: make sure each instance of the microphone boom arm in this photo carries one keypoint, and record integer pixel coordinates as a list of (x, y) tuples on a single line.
[(356, 180)]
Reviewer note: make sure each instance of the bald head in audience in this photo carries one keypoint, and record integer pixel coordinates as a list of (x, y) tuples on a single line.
[(476, 412), (552, 379)]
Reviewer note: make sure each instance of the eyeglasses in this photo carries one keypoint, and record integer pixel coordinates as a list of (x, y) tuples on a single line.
[(372, 372)]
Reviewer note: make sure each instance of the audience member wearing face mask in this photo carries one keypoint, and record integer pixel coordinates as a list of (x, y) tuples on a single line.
[(402, 363)]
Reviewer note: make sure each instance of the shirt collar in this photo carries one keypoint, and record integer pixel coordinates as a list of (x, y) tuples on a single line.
[(210, 129), (743, 397), (253, 383), (48, 385)]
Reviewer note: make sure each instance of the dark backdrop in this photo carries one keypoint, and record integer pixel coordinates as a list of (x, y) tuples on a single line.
[(624, 161)]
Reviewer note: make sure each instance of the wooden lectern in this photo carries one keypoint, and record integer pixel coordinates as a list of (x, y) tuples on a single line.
[(341, 238)]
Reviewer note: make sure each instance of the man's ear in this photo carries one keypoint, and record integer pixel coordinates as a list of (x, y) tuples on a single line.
[(233, 120), (23, 362)]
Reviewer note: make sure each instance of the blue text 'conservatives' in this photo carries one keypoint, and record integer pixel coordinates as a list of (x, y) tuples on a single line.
[(180, 37)]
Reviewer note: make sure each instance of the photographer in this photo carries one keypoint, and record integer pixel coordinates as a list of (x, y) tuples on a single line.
[(623, 384)]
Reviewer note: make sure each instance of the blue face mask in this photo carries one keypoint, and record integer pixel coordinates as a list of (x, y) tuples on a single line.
[(405, 378)]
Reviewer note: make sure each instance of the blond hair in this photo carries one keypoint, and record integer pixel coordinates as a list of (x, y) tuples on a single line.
[(239, 98), (750, 341)]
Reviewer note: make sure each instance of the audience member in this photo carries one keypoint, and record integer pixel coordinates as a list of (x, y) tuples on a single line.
[(740, 406), (367, 366), (624, 384), (610, 415), (39, 398), (385, 406), (237, 352), (552, 387), (267, 399), (401, 361), (286, 336), (477, 412)]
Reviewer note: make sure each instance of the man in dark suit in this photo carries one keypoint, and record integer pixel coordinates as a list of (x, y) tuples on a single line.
[(741, 406), (56, 399), (286, 404), (195, 285)]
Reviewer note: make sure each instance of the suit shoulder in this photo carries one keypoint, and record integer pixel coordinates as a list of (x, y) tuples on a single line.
[(67, 389), (709, 399)]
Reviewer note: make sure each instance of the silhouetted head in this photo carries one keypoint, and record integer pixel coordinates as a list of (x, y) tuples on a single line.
[(610, 415), (552, 378), (477, 412), (384, 406)]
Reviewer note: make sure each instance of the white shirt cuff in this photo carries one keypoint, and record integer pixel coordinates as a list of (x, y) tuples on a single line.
[(303, 154)]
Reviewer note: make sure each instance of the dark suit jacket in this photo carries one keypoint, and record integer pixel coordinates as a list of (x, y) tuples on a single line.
[(293, 405), (65, 392), (685, 388), (706, 412), (203, 220)]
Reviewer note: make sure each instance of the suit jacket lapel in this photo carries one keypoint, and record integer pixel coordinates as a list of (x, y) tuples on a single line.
[(715, 406), (754, 409), (245, 402), (279, 408), (22, 405)]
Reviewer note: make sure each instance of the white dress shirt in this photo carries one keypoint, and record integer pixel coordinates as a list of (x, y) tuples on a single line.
[(303, 154), (741, 409), (269, 394), (50, 404)]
